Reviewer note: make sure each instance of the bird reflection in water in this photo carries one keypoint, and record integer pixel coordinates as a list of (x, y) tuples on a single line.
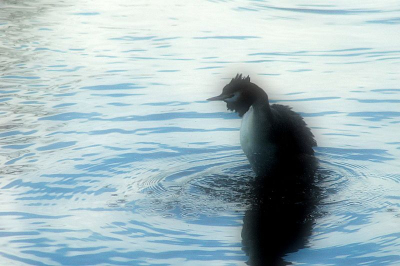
[(281, 212)]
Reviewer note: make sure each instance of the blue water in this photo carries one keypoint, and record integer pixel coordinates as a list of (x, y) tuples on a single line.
[(111, 155)]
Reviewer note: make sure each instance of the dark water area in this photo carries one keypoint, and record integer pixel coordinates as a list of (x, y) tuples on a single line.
[(111, 155), (282, 211)]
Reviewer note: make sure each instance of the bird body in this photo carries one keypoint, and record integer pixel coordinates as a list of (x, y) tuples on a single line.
[(255, 141), (269, 134)]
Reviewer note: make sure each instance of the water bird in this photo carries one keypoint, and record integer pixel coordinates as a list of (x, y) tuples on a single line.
[(279, 146), (271, 135)]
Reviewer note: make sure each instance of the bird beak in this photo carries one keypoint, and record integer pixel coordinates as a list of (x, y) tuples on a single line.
[(218, 98)]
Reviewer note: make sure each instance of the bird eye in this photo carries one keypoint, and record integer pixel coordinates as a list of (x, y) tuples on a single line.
[(232, 97)]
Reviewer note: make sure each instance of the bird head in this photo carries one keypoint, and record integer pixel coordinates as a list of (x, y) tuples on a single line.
[(238, 95)]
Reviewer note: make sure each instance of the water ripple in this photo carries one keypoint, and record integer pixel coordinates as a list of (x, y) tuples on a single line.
[(111, 155)]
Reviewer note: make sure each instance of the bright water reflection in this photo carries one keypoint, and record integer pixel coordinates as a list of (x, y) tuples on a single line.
[(110, 155)]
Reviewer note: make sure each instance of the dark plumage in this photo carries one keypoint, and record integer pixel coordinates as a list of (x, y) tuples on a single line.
[(269, 133), (290, 131)]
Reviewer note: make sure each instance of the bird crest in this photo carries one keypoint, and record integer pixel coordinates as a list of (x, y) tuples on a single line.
[(239, 78)]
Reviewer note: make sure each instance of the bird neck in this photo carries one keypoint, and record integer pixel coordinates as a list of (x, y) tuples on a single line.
[(261, 102)]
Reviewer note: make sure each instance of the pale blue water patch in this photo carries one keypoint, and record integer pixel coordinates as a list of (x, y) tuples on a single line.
[(134, 38), (174, 103), (31, 102), (376, 116), (376, 155), (228, 37), (19, 77), (388, 91), (376, 101), (318, 114), (11, 133), (27, 155), (58, 145), (210, 67), (70, 116), (329, 11), (63, 105), (87, 14), (5, 91), (64, 94), (390, 21), (150, 117), (127, 86), (16, 146), (111, 155), (309, 99), (5, 99), (67, 70)]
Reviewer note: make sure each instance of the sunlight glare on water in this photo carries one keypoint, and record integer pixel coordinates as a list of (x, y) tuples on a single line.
[(111, 155)]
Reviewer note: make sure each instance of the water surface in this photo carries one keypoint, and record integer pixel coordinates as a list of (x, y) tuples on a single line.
[(111, 155)]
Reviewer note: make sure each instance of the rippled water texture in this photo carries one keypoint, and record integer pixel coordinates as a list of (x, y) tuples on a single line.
[(111, 155)]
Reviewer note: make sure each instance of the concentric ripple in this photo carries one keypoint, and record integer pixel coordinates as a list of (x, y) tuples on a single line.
[(197, 184)]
